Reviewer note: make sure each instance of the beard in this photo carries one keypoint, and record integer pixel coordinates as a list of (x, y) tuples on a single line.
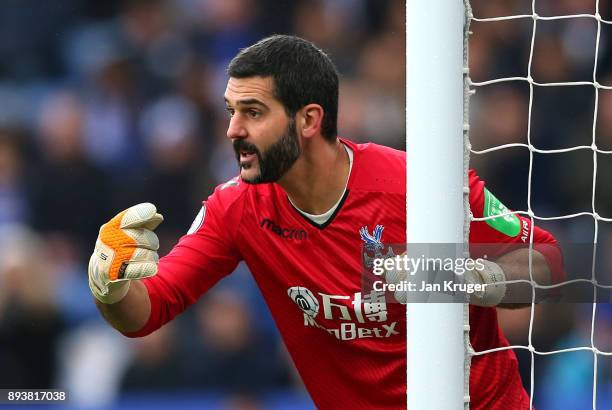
[(276, 160)]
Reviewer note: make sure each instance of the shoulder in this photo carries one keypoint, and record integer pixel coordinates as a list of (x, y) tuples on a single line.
[(375, 153), (228, 195), (474, 178), (477, 191), (378, 168), (233, 195)]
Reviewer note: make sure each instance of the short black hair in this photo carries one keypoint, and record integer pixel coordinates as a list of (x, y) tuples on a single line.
[(302, 74)]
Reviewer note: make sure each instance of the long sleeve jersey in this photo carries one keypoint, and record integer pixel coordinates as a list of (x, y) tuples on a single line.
[(348, 345)]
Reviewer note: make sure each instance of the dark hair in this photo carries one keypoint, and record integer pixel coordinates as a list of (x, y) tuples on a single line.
[(302, 74)]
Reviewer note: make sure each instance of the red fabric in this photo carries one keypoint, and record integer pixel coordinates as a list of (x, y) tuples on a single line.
[(367, 370)]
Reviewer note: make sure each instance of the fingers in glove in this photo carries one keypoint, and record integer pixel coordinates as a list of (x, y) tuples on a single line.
[(144, 255), (129, 254), (401, 296), (129, 269), (136, 270), (143, 238), (395, 276), (141, 216)]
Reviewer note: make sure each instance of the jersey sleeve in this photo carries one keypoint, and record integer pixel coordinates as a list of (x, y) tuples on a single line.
[(200, 259), (503, 234)]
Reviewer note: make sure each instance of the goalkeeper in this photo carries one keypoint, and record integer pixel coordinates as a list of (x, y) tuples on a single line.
[(304, 203)]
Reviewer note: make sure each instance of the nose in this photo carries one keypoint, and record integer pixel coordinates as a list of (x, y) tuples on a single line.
[(236, 129)]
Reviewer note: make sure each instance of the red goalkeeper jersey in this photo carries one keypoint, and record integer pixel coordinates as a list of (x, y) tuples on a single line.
[(348, 345)]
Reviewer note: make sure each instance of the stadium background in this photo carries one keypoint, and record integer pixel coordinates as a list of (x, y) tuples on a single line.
[(107, 104)]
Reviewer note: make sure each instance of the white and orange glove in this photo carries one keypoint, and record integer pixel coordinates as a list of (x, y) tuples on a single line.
[(493, 277), (126, 249)]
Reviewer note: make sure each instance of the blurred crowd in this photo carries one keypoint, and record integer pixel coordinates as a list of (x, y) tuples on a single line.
[(107, 104)]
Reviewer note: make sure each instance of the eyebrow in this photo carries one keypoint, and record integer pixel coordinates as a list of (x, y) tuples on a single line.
[(249, 101)]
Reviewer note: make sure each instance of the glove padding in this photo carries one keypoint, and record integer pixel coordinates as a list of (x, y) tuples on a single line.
[(492, 276), (126, 249)]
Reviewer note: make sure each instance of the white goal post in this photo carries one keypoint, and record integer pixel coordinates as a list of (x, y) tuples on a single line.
[(437, 94), (436, 199)]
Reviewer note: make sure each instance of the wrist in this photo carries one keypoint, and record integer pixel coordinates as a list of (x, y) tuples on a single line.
[(493, 277), (115, 292)]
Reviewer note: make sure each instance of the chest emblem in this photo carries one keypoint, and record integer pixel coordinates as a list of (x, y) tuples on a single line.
[(373, 247)]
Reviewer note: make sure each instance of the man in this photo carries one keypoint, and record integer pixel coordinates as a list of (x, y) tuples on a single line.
[(298, 214)]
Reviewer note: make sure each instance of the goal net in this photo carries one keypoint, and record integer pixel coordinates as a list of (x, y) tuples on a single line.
[(538, 79), (560, 48)]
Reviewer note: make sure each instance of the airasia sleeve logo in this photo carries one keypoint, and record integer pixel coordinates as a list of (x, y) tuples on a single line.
[(305, 300)]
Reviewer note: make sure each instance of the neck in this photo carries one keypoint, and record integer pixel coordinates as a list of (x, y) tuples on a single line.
[(318, 178)]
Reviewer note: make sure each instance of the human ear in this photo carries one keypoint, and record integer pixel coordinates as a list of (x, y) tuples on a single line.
[(311, 118)]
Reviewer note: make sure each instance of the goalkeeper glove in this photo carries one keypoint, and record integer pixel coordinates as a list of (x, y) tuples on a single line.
[(126, 249), (492, 276)]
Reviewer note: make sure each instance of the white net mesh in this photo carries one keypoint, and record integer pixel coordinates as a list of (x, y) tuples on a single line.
[(537, 18)]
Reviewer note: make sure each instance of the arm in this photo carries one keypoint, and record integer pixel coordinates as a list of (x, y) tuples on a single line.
[(505, 239), (515, 265), (168, 286), (131, 313), (512, 264)]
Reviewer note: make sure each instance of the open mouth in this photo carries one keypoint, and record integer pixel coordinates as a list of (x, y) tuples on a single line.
[(246, 152), (247, 157)]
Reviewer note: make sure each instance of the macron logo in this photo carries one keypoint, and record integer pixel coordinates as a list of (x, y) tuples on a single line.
[(285, 233)]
